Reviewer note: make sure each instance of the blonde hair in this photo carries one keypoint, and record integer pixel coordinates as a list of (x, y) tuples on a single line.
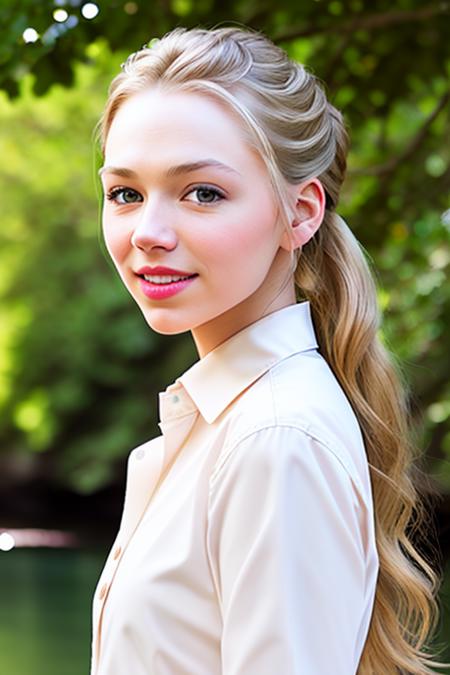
[(300, 135)]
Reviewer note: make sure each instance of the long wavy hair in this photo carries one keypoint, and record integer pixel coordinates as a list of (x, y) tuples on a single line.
[(299, 135)]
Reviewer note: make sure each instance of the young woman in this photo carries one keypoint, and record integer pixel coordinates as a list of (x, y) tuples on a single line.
[(264, 530)]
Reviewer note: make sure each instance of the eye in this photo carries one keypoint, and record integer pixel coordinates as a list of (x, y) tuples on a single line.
[(123, 195), (206, 194)]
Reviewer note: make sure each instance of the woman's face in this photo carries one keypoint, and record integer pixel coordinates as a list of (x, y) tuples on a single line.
[(184, 190)]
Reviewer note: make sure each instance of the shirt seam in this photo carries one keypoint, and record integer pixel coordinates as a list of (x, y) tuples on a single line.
[(231, 447), (272, 394)]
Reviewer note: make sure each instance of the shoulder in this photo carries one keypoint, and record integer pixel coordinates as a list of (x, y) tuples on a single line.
[(274, 449), (300, 402), (279, 475)]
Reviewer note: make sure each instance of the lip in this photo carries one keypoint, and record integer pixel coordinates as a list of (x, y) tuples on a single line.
[(163, 270), (162, 291)]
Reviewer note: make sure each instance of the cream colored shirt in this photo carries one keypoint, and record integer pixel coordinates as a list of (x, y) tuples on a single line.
[(247, 542)]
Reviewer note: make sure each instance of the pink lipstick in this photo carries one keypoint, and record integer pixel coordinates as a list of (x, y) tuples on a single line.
[(159, 291)]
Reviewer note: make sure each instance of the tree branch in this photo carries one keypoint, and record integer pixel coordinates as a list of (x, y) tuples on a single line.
[(410, 149), (368, 22)]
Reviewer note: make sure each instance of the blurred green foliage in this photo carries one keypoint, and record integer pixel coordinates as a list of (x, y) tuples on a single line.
[(79, 368)]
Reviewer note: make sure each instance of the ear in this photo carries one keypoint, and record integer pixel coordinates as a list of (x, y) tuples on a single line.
[(309, 199)]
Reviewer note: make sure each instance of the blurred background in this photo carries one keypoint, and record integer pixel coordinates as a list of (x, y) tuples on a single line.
[(80, 370)]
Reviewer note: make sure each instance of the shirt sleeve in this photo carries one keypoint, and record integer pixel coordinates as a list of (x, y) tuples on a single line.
[(287, 555)]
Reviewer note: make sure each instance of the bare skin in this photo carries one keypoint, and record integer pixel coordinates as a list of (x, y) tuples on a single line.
[(220, 223)]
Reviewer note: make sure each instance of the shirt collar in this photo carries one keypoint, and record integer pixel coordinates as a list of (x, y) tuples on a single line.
[(214, 381)]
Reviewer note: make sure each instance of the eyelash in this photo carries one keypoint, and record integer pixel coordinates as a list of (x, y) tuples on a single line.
[(112, 194)]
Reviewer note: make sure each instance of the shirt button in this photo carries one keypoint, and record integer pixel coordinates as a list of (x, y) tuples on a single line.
[(140, 454), (175, 398), (117, 552), (103, 590)]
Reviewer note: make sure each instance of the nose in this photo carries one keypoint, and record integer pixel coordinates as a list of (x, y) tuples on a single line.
[(153, 229)]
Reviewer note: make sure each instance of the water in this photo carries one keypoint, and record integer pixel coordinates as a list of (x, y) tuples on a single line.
[(45, 610)]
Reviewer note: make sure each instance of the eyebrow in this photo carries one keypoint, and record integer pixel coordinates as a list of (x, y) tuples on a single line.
[(173, 170)]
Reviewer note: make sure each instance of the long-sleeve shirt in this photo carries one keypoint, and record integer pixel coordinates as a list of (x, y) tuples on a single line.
[(247, 541)]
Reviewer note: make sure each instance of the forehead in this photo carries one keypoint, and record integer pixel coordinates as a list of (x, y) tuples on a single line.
[(158, 124)]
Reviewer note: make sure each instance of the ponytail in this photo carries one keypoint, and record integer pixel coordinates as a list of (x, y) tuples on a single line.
[(333, 273)]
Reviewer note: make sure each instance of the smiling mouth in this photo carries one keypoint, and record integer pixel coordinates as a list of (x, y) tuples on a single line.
[(164, 280)]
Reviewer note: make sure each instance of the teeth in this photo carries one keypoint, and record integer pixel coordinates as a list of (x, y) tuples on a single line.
[(158, 279)]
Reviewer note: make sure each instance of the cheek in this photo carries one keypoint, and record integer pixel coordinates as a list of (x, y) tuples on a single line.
[(246, 242), (117, 240)]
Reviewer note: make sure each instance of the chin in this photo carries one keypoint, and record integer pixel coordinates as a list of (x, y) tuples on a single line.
[(160, 321)]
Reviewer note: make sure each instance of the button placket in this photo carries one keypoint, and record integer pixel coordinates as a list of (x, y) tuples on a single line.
[(102, 595), (147, 470), (143, 472), (103, 590)]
